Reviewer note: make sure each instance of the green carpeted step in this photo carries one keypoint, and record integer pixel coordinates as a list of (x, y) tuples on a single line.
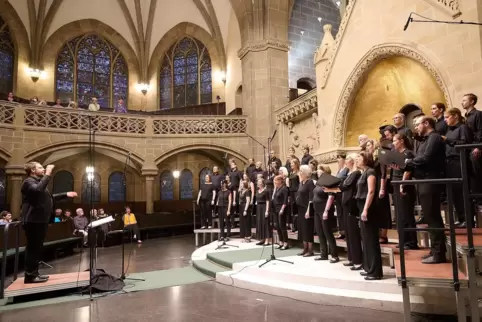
[(209, 268), (227, 259)]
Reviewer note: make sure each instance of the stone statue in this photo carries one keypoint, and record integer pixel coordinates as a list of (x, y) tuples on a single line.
[(294, 137)]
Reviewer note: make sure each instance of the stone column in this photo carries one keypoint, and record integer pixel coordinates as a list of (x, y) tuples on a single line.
[(15, 176), (150, 176)]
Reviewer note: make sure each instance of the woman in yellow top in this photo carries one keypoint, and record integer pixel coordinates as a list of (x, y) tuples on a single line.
[(130, 223)]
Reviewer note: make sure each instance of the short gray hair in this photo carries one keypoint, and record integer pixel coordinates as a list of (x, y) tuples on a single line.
[(306, 169), (284, 171)]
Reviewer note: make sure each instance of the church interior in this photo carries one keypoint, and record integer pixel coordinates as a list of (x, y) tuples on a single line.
[(143, 105)]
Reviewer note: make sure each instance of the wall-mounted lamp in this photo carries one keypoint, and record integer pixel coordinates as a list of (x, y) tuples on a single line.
[(302, 32), (176, 174), (143, 87), (319, 19), (222, 75), (35, 74), (338, 3)]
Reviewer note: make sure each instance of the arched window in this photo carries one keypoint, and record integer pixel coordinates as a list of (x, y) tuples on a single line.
[(91, 188), (3, 190), (203, 174), (185, 184), (117, 187), (185, 75), (167, 185), (63, 182), (7, 58), (89, 66)]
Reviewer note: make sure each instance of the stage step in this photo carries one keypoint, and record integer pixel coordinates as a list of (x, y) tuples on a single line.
[(208, 268)]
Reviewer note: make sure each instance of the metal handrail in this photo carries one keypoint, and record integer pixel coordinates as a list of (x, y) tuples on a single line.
[(6, 230)]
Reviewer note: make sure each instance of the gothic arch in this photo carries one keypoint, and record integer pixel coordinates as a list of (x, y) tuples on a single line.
[(356, 79), (89, 26), (190, 147), (19, 35), (175, 34), (113, 148)]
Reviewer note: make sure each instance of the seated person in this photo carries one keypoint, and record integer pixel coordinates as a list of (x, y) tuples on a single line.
[(80, 224), (130, 223), (5, 217), (58, 215)]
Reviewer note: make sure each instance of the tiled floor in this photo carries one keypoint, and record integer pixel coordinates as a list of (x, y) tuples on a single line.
[(207, 301)]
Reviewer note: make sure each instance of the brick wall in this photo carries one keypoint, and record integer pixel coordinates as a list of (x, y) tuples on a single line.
[(304, 17)]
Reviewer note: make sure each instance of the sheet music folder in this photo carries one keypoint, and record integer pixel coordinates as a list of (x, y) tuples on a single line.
[(328, 181), (392, 157), (100, 222)]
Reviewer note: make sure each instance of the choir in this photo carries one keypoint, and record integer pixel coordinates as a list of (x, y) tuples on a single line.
[(294, 195)]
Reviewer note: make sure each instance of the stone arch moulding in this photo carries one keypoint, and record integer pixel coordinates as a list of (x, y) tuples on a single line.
[(88, 26), (190, 147), (355, 81), (55, 147), (5, 155), (175, 34)]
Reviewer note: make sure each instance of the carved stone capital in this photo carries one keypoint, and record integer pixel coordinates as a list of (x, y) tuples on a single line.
[(15, 172), (355, 81), (450, 7), (263, 45), (298, 108)]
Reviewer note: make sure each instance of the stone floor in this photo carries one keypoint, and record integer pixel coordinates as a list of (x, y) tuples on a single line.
[(207, 301)]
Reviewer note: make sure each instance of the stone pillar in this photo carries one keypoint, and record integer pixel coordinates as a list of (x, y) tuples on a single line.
[(15, 176), (149, 174)]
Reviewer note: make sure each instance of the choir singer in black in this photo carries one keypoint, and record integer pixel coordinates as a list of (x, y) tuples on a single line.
[(429, 163), (37, 208)]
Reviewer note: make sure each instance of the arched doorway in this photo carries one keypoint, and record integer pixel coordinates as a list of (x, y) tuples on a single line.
[(410, 111)]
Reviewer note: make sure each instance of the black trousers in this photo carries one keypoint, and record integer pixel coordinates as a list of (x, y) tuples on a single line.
[(222, 211), (206, 212), (324, 231), (352, 233), (340, 213), (35, 234), (476, 182), (372, 254), (407, 205), (245, 222), (135, 229), (293, 210), (453, 170), (430, 201), (280, 223)]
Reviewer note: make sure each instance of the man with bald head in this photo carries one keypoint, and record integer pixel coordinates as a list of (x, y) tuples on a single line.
[(402, 129)]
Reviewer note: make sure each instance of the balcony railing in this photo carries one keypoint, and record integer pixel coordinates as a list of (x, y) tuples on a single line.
[(34, 116)]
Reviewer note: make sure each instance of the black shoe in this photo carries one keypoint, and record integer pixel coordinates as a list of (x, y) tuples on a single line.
[(357, 268), (279, 246), (334, 260), (260, 243), (433, 260), (221, 239), (349, 264), (372, 278), (34, 279), (284, 247), (460, 224), (321, 258), (363, 274), (341, 237)]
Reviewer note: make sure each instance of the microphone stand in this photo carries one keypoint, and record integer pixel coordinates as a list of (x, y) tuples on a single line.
[(264, 150), (271, 220), (123, 276), (461, 22)]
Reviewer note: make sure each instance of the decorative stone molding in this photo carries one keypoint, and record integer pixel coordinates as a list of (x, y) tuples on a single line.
[(355, 81), (7, 113), (337, 44), (199, 125), (263, 45), (298, 108), (450, 7), (323, 52)]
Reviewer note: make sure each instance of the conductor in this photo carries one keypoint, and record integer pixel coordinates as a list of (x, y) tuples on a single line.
[(37, 207)]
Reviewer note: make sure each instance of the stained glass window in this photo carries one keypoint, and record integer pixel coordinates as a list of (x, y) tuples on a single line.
[(185, 184), (91, 188), (167, 185), (117, 187), (63, 182), (3, 190), (90, 66), (7, 58), (202, 175), (185, 75)]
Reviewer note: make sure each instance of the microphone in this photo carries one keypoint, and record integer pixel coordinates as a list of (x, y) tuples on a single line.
[(274, 134), (408, 22)]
